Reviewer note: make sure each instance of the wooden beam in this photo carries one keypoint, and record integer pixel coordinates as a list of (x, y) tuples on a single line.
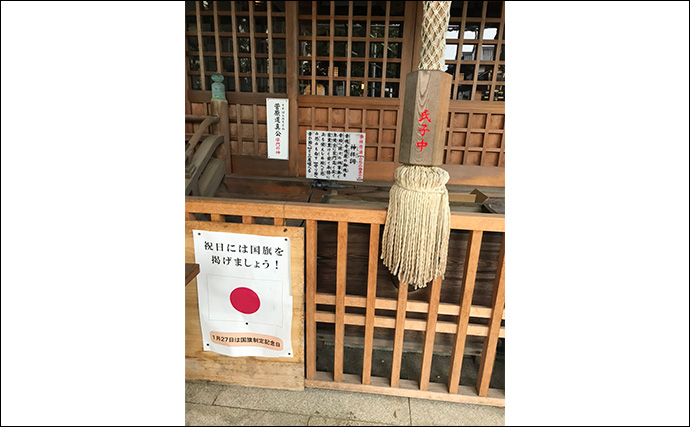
[(341, 274), (486, 364), (430, 334), (469, 275), (401, 312), (370, 302), (310, 300)]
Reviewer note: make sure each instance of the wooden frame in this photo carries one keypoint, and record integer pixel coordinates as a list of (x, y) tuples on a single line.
[(271, 372), (464, 310)]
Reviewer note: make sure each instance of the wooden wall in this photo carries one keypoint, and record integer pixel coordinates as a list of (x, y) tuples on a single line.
[(293, 49)]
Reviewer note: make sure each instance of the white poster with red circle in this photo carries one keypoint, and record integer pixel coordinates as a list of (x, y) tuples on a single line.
[(245, 303)]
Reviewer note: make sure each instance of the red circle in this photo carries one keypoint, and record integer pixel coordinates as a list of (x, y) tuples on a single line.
[(245, 300)]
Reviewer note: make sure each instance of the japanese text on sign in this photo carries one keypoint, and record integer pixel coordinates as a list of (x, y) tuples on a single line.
[(423, 130), (277, 126), (335, 155), (245, 301)]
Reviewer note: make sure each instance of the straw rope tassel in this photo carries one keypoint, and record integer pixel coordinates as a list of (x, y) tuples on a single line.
[(415, 238)]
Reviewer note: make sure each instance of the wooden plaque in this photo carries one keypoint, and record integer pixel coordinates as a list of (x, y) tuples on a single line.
[(425, 114), (270, 372)]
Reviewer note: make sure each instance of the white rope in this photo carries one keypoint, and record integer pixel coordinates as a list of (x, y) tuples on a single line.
[(434, 28), (415, 238)]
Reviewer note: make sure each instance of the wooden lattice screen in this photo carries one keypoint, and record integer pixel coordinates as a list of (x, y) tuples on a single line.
[(343, 64)]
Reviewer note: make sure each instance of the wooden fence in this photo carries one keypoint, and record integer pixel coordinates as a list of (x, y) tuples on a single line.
[(311, 214)]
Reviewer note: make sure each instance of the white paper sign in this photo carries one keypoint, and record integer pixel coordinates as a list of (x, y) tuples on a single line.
[(245, 303), (277, 124), (335, 155)]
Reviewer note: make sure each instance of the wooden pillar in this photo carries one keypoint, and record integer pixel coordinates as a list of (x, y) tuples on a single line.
[(219, 107)]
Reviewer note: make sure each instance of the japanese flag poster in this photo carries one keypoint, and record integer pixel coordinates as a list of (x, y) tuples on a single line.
[(245, 304)]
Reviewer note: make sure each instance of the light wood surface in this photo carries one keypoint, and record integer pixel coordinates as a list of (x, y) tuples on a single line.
[(370, 302), (430, 333), (279, 372), (321, 212), (471, 261), (311, 300), (341, 274), (400, 313), (426, 93), (486, 364)]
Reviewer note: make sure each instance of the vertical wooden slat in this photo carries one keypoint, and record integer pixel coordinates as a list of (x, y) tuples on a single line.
[(407, 64), (310, 327), (330, 73), (430, 334), (469, 275), (485, 134), (202, 66), (417, 47), (384, 63), (292, 43), (190, 216), (248, 220), (367, 46), (468, 134), (219, 65), (486, 364), (252, 48), (269, 40), (400, 314), (341, 272), (236, 67), (371, 302), (313, 49), (348, 71), (278, 221), (256, 129), (217, 218)]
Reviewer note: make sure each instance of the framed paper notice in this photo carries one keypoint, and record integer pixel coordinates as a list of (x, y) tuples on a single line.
[(277, 126)]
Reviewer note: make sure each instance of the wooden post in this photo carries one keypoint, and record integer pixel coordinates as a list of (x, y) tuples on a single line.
[(219, 107), (425, 113)]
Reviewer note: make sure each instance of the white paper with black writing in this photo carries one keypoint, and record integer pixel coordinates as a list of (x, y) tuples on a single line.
[(277, 127), (335, 155)]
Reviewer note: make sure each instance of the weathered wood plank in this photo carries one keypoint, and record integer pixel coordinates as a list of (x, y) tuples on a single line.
[(486, 364), (370, 302), (470, 273), (430, 333), (311, 303), (400, 314), (341, 273)]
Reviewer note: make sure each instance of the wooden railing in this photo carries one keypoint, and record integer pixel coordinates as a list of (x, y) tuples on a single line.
[(311, 214)]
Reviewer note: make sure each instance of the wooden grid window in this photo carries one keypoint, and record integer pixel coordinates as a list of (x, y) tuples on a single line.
[(243, 40), (475, 50), (351, 48), (475, 138)]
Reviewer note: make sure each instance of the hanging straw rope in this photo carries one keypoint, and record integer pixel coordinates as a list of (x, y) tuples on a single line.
[(417, 229), (415, 237)]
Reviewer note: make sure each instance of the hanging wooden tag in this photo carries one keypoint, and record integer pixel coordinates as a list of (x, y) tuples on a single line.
[(425, 114)]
